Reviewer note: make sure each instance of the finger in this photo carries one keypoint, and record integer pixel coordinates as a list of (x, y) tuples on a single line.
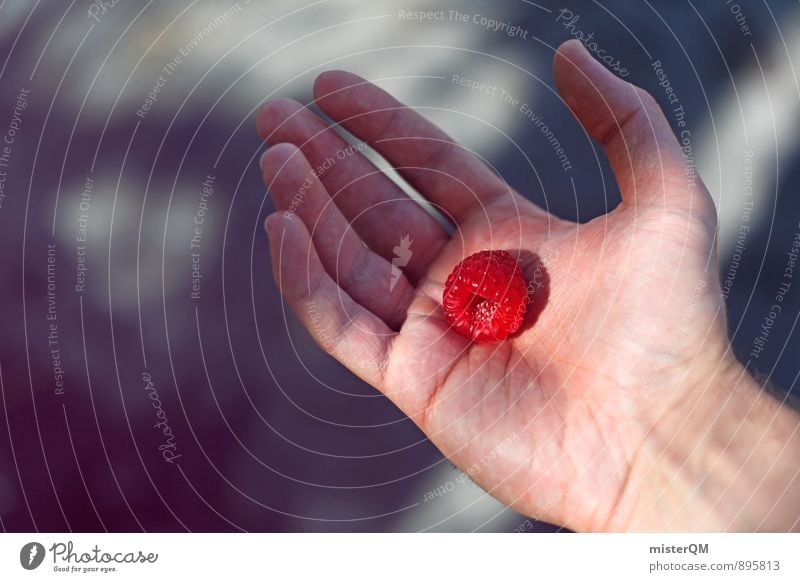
[(343, 328), (369, 279), (644, 154), (448, 175), (376, 207)]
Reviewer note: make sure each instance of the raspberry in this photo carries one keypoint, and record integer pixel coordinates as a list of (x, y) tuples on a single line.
[(484, 297)]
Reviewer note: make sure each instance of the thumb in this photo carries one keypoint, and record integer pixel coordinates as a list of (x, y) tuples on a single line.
[(645, 156)]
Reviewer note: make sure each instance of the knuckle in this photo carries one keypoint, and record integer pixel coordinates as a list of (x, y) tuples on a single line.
[(648, 101)]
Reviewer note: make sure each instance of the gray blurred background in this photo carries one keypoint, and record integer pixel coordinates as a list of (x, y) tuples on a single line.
[(129, 404)]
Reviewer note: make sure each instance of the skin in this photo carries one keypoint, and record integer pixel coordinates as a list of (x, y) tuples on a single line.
[(619, 405)]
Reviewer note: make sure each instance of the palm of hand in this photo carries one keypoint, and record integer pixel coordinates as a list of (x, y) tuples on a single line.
[(559, 400), (549, 421)]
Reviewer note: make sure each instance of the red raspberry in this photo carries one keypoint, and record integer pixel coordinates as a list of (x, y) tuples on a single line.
[(484, 297)]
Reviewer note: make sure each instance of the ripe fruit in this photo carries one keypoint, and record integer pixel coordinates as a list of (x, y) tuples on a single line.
[(484, 297)]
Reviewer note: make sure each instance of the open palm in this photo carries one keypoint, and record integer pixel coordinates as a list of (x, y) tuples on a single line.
[(552, 420)]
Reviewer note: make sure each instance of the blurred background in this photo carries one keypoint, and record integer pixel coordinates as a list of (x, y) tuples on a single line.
[(151, 378)]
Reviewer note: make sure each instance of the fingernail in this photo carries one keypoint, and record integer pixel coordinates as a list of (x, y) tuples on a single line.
[(269, 223), (261, 160), (574, 42)]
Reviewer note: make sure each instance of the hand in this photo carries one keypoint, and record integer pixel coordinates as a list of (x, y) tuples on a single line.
[(573, 420)]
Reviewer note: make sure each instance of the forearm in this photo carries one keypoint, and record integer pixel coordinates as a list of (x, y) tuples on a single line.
[(726, 457)]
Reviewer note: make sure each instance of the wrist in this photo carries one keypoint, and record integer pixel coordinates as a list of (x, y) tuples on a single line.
[(723, 456)]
